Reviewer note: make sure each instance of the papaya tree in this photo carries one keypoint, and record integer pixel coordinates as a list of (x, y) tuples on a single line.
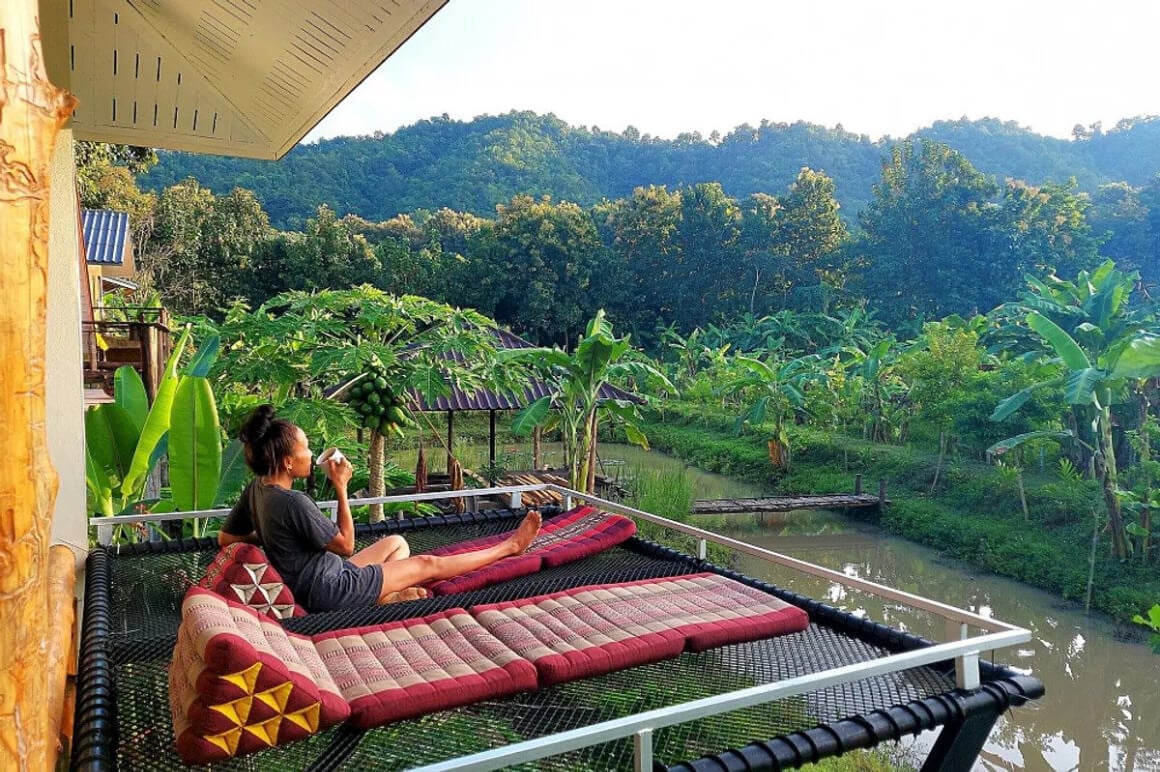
[(575, 382), (316, 354), (1101, 347)]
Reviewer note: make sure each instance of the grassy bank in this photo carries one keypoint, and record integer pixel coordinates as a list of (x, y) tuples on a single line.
[(975, 512)]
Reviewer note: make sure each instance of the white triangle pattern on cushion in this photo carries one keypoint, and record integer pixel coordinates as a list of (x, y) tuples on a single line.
[(260, 596)]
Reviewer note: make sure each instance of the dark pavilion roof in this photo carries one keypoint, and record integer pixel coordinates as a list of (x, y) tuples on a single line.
[(485, 399)]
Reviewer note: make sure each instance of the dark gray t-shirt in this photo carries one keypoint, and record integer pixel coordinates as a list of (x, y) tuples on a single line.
[(292, 531)]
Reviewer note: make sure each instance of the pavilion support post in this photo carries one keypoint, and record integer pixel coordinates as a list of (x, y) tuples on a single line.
[(491, 439), (450, 439), (32, 111)]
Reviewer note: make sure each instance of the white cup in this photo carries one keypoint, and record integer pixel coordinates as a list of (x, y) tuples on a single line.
[(330, 455)]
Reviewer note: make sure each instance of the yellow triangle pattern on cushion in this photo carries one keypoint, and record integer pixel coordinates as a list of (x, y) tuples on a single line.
[(245, 679), (277, 697), (237, 710), (266, 731), (307, 718), (227, 740)]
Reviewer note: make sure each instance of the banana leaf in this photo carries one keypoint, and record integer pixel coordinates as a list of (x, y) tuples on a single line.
[(195, 451), (129, 393), (531, 416), (156, 424), (203, 360), (97, 484), (1140, 359), (233, 475), (1065, 347), (110, 438)]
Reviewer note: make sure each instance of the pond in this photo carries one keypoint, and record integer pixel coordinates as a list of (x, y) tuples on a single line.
[(1102, 709)]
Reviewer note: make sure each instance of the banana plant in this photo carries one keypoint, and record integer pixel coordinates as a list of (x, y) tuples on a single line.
[(575, 381), (125, 439), (778, 391), (1095, 362)]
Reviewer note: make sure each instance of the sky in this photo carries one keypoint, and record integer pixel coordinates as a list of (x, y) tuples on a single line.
[(877, 67)]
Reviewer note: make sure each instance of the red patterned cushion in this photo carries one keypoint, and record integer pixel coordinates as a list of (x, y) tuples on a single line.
[(576, 534), (588, 631), (241, 572), (239, 682), (415, 666)]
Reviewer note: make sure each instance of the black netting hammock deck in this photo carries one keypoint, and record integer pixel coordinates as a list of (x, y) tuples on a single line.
[(132, 612)]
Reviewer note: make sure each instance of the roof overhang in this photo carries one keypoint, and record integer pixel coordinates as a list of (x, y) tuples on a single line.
[(234, 77)]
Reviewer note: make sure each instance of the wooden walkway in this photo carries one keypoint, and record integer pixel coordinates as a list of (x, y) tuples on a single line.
[(784, 503)]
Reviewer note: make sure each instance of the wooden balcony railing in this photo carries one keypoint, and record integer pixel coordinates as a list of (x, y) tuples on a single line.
[(138, 337)]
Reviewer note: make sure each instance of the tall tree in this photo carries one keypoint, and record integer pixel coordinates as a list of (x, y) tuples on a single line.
[(545, 254), (201, 254), (328, 255), (1043, 230), (809, 233), (709, 261), (644, 239), (925, 235)]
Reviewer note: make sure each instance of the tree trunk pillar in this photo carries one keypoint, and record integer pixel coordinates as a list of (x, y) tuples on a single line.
[(590, 477), (32, 111), (376, 484)]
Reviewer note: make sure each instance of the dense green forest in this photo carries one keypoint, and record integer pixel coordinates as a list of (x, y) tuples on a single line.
[(936, 237), (475, 166)]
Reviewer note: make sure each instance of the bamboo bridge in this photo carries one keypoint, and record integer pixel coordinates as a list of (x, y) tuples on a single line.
[(855, 500)]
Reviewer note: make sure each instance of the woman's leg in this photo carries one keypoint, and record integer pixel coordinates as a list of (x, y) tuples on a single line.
[(415, 570), (386, 549)]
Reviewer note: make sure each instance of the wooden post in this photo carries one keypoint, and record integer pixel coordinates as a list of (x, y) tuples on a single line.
[(537, 436), (32, 111), (62, 575), (491, 438), (450, 439), (881, 491), (857, 485)]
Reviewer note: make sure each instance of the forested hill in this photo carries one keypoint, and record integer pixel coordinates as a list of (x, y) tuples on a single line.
[(473, 166)]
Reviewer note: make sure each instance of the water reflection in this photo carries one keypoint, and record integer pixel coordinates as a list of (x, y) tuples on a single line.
[(1102, 709)]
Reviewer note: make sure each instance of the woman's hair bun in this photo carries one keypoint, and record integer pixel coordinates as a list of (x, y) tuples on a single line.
[(257, 425)]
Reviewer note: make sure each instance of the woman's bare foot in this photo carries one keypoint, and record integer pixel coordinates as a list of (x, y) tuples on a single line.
[(409, 593), (526, 533)]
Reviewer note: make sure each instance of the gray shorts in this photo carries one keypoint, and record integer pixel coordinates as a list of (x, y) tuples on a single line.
[(348, 587)]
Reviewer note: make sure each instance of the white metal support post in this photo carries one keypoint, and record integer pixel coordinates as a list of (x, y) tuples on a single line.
[(643, 751)]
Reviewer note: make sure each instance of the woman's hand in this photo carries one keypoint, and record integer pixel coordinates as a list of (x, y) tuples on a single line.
[(339, 472)]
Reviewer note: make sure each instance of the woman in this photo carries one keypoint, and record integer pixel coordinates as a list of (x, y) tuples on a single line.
[(314, 554)]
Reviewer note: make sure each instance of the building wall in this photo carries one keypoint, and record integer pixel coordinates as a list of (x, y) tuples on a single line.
[(64, 392)]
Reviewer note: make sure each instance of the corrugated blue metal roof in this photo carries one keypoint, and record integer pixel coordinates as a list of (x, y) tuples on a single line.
[(105, 234)]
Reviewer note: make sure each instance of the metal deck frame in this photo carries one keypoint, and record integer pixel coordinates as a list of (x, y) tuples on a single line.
[(958, 745)]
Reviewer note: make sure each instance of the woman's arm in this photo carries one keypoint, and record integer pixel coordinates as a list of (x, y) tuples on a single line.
[(225, 538), (343, 542), (239, 524)]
